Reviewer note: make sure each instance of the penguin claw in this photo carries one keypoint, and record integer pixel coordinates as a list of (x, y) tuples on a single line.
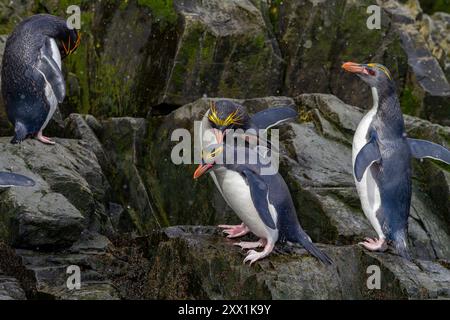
[(254, 256), (248, 245), (374, 244), (234, 231), (44, 139)]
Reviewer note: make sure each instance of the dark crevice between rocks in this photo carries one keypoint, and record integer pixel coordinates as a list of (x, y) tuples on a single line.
[(162, 109), (132, 281), (266, 10), (11, 265)]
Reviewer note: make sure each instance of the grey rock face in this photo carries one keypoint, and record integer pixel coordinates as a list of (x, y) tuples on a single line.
[(109, 200), (10, 289), (211, 269)]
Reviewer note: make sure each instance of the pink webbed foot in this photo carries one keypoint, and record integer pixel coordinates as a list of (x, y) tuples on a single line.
[(374, 244), (44, 139), (253, 255), (251, 245), (234, 231)]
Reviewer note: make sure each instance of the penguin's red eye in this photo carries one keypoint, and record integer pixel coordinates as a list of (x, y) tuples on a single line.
[(370, 72)]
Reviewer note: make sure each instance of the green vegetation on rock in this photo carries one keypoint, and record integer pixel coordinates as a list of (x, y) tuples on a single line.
[(431, 6)]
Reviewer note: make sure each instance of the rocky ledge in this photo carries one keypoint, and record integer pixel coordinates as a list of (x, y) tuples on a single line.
[(109, 201), (105, 199), (198, 263)]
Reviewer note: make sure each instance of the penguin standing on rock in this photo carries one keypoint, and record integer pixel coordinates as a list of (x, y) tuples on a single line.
[(262, 202), (32, 81), (382, 161), (225, 115)]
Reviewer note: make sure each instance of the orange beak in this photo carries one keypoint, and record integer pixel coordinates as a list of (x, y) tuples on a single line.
[(353, 67), (202, 169)]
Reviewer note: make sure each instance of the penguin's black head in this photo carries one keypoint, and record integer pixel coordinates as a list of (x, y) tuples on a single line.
[(373, 74), (67, 38), (224, 115), (69, 41)]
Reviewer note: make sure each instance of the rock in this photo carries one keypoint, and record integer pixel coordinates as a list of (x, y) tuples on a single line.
[(431, 6), (5, 126), (183, 50), (316, 163), (10, 289), (429, 85), (79, 126), (91, 242), (197, 263), (69, 195), (51, 273), (124, 140), (222, 43), (109, 199), (316, 38), (434, 29), (11, 13)]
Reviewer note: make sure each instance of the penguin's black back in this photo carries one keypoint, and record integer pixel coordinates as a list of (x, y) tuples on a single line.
[(23, 87), (279, 195), (393, 173)]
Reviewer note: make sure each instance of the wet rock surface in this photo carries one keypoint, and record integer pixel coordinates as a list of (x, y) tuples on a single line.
[(202, 265), (182, 50), (92, 207), (109, 201)]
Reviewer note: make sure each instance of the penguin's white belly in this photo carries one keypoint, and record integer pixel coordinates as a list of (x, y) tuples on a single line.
[(367, 188), (49, 93), (237, 195)]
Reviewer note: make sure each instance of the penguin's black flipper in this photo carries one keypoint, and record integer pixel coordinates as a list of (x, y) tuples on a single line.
[(425, 149), (366, 157), (259, 192), (8, 179), (271, 117), (51, 71)]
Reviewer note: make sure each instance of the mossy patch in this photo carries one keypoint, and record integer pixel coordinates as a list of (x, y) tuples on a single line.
[(409, 101), (162, 10), (432, 6)]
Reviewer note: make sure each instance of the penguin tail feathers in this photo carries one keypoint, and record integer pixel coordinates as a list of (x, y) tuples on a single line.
[(20, 133), (400, 243), (305, 241)]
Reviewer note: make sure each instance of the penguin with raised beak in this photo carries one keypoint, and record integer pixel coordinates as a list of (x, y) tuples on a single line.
[(382, 161)]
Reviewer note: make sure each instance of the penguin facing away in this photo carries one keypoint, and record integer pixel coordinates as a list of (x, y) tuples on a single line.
[(262, 202), (224, 115), (32, 80), (381, 158)]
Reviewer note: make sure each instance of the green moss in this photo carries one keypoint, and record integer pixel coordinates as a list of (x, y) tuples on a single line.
[(123, 5), (77, 64), (162, 10), (431, 6), (409, 102), (362, 43), (189, 54), (274, 14), (111, 91)]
